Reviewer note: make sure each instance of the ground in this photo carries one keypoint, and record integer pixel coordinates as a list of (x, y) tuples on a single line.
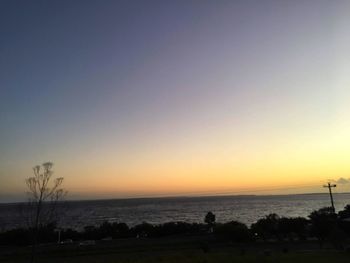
[(173, 250)]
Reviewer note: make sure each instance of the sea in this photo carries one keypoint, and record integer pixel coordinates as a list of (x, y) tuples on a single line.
[(246, 209)]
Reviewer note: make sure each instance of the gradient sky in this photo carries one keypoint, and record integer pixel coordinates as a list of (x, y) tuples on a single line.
[(148, 98)]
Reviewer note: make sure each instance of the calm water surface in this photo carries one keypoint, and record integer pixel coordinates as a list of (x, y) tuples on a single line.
[(247, 209)]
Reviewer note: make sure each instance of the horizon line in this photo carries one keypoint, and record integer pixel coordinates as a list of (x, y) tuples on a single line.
[(180, 196)]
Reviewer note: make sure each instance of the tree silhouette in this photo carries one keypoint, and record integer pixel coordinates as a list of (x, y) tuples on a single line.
[(267, 227), (43, 194), (210, 218), (323, 222), (344, 214), (233, 231)]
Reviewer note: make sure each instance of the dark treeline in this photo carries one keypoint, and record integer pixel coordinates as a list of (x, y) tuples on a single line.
[(323, 225)]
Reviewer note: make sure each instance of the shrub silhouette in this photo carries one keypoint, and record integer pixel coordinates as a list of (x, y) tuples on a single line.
[(91, 232), (323, 221), (233, 231), (176, 228), (345, 214), (18, 237), (290, 227), (70, 234), (120, 230), (210, 219), (344, 220), (267, 227), (21, 236), (142, 230)]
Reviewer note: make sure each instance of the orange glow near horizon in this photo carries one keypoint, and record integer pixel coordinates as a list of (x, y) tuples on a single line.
[(221, 168), (176, 98), (265, 164)]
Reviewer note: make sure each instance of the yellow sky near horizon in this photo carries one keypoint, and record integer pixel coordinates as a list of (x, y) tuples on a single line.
[(177, 98)]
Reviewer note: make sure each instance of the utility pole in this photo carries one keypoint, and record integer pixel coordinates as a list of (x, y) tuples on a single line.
[(330, 186)]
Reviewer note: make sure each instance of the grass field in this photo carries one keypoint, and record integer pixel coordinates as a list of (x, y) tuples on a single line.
[(178, 250), (197, 257)]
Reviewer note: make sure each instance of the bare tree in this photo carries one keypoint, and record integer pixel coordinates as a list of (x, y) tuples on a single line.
[(43, 194)]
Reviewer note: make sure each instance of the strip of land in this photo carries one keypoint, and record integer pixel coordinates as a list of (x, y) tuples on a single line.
[(188, 249)]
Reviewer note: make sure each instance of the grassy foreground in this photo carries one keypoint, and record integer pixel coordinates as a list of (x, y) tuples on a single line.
[(196, 257), (178, 250)]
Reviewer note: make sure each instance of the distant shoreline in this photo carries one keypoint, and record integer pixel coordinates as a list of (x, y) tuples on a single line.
[(180, 197)]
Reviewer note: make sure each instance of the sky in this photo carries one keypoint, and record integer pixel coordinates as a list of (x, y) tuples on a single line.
[(162, 98)]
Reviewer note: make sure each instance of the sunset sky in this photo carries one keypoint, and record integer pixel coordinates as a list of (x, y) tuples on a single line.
[(181, 97)]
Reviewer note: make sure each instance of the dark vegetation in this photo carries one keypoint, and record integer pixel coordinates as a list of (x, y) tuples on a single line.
[(323, 225)]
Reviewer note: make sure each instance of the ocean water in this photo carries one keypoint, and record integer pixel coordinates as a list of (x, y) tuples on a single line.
[(247, 209)]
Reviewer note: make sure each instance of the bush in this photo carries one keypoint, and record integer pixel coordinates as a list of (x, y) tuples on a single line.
[(177, 228), (233, 231), (22, 236), (143, 230), (210, 219), (323, 222), (267, 227), (288, 227), (18, 237)]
